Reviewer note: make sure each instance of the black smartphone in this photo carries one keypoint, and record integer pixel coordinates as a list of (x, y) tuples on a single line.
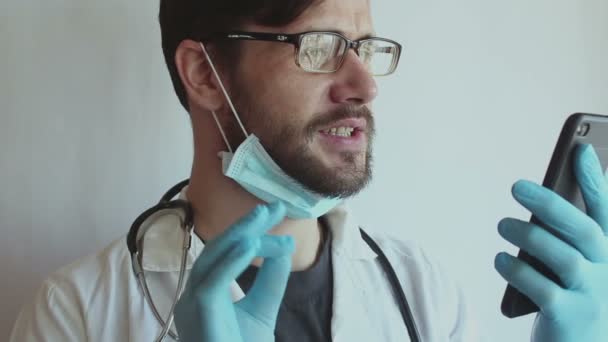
[(579, 129)]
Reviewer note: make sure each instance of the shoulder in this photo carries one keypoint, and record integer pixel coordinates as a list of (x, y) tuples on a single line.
[(87, 273), (59, 309), (415, 266), (403, 252), (438, 294)]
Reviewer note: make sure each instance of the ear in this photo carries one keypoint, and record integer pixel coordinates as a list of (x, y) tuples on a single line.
[(197, 77)]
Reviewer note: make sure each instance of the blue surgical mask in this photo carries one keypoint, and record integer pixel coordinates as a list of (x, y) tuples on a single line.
[(253, 168)]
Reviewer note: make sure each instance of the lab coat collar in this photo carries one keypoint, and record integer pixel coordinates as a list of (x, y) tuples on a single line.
[(163, 239), (346, 237)]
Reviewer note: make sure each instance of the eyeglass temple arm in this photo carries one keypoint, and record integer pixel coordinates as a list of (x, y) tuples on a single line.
[(260, 36)]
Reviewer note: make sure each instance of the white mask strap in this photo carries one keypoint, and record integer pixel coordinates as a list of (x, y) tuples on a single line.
[(221, 131), (236, 115)]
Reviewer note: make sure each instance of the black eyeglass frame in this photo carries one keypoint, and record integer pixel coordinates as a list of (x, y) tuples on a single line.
[(296, 40)]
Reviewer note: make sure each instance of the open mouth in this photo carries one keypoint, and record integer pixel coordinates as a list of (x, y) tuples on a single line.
[(348, 128), (342, 132)]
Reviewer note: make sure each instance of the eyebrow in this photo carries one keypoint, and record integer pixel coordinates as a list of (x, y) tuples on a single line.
[(314, 29)]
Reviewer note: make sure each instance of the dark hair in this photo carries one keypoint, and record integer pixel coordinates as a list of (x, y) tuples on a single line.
[(192, 19)]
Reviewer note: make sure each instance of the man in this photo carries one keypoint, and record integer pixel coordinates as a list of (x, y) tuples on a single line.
[(283, 88)]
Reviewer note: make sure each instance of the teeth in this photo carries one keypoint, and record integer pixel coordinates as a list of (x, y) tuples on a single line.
[(340, 131)]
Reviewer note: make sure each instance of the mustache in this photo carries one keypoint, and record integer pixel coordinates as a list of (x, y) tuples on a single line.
[(342, 113)]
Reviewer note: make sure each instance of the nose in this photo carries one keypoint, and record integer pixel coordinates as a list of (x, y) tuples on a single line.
[(354, 84)]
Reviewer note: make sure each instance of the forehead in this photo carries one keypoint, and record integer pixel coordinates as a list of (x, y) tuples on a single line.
[(349, 17)]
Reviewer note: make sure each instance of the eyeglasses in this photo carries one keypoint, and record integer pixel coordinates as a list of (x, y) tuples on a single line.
[(324, 52)]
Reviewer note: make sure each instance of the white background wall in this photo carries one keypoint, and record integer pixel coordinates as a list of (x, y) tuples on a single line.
[(91, 133)]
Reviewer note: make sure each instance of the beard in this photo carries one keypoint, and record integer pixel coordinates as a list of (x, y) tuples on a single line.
[(289, 144)]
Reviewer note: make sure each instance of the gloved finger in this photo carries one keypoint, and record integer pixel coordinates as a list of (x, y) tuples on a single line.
[(542, 291), (259, 221), (264, 298), (250, 227), (592, 181), (221, 274), (256, 223), (565, 261), (274, 246), (568, 222)]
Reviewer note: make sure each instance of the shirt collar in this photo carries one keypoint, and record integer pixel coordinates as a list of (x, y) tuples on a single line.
[(163, 240)]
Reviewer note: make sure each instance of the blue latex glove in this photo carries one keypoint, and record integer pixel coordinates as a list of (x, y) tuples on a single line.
[(577, 251), (206, 312)]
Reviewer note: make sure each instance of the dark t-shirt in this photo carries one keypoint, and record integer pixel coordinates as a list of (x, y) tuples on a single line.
[(306, 310)]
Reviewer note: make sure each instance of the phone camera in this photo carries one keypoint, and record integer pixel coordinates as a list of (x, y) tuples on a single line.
[(583, 130)]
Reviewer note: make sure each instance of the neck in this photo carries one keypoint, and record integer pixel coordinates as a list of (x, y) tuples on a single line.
[(218, 202)]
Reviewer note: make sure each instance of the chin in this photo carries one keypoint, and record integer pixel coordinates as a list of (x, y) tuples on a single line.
[(347, 181)]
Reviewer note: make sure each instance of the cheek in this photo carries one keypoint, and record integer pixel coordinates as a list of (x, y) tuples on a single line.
[(288, 95), (299, 98)]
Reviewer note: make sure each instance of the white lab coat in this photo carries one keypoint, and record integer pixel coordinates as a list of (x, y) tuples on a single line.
[(98, 298)]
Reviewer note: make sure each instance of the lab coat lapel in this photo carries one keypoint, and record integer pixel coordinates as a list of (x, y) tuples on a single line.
[(349, 317)]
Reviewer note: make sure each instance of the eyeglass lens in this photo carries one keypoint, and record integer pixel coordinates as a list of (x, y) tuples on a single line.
[(323, 52)]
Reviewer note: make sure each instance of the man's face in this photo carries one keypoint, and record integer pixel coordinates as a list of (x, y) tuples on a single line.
[(293, 112)]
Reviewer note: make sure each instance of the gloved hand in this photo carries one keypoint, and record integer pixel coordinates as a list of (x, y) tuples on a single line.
[(206, 312), (577, 251)]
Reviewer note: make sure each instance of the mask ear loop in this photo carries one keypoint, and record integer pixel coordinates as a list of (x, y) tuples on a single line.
[(236, 115), (217, 122)]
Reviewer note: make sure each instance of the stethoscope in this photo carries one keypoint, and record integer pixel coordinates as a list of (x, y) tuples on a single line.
[(166, 203)]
